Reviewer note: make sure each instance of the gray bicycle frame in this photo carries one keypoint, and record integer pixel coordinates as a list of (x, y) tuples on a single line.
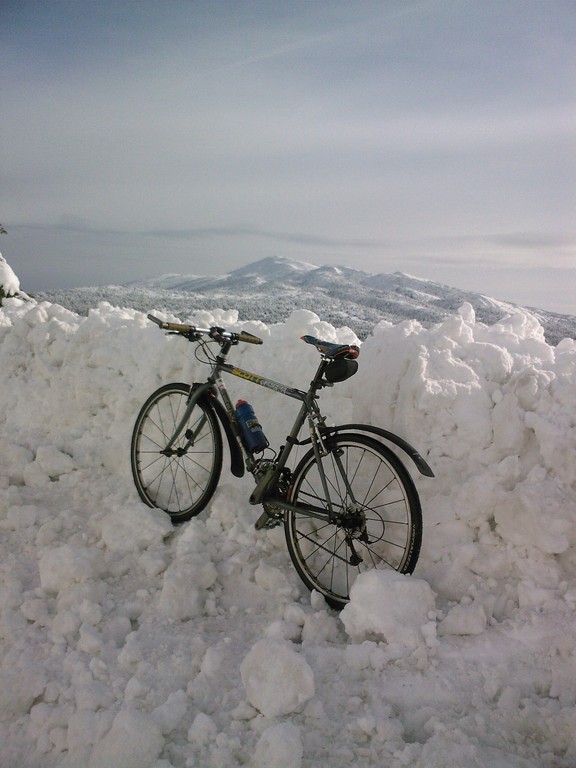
[(319, 433), (309, 410)]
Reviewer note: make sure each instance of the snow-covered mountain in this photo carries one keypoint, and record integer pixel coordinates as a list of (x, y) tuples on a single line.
[(272, 288)]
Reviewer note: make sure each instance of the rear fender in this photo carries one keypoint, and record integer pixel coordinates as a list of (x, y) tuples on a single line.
[(422, 465)]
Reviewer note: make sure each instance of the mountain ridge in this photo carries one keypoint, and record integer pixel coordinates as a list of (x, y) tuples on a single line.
[(270, 288)]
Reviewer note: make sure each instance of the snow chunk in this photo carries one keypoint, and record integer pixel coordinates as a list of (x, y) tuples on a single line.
[(69, 564), (85, 728), (276, 678), (203, 730), (388, 604), (169, 714), (134, 741), (53, 461), (464, 620), (25, 516), (8, 280), (134, 528), (18, 690), (185, 585), (537, 515), (280, 746)]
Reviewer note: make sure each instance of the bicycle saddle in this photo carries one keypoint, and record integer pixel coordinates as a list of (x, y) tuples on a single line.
[(342, 363), (331, 350)]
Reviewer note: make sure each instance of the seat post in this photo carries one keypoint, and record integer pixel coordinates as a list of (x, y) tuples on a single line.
[(317, 382)]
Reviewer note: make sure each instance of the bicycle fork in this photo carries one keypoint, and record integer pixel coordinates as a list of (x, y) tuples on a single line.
[(190, 434)]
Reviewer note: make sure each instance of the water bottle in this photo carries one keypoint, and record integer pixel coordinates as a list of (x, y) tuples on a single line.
[(252, 436)]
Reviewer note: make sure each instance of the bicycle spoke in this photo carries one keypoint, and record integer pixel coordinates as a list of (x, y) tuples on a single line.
[(182, 480), (374, 516), (332, 553)]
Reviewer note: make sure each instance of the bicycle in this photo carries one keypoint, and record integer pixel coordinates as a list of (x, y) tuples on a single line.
[(349, 505)]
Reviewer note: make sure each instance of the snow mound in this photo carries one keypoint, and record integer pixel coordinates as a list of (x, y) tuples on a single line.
[(126, 642)]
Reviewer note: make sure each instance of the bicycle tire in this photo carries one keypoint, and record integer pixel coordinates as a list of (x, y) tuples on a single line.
[(180, 485), (385, 529)]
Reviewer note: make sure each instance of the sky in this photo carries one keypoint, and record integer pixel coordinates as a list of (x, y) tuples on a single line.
[(433, 137)]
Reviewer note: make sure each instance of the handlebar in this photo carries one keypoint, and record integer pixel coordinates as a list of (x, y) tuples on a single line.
[(216, 333)]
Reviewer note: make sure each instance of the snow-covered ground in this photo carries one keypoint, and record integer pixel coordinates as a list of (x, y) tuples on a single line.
[(126, 643)]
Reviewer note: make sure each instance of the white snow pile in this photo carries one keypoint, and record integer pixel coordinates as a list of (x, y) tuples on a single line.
[(9, 283), (126, 643)]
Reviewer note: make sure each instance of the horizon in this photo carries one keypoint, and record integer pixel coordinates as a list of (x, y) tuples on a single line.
[(433, 137)]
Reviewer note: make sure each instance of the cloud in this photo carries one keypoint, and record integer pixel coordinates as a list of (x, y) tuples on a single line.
[(298, 238)]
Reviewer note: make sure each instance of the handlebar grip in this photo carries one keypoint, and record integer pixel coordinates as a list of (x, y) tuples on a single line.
[(178, 327), (249, 338), (219, 334)]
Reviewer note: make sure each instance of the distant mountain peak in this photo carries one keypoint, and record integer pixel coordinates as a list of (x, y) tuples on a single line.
[(272, 266), (271, 288)]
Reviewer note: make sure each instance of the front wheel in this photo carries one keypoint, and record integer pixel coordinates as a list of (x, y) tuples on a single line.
[(181, 481), (376, 518)]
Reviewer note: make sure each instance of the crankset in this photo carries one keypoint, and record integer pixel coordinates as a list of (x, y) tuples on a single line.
[(271, 517)]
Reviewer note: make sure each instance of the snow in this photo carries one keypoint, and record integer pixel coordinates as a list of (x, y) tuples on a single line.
[(391, 607), (277, 679), (126, 642), (8, 280)]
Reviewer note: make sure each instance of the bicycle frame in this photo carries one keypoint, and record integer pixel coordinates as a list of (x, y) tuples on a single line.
[(214, 382), (268, 472), (272, 469)]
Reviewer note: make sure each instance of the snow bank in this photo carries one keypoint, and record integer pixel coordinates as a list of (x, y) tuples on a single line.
[(8, 280), (126, 642)]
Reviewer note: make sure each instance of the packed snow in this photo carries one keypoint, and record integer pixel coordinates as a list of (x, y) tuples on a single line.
[(127, 643)]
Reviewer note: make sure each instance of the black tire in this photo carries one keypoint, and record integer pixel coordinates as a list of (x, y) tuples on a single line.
[(385, 530), (181, 485)]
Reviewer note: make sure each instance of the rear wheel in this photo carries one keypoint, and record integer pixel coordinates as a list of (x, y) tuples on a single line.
[(180, 481), (377, 518)]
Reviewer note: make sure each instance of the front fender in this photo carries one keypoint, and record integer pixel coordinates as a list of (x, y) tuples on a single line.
[(422, 465), (236, 458)]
